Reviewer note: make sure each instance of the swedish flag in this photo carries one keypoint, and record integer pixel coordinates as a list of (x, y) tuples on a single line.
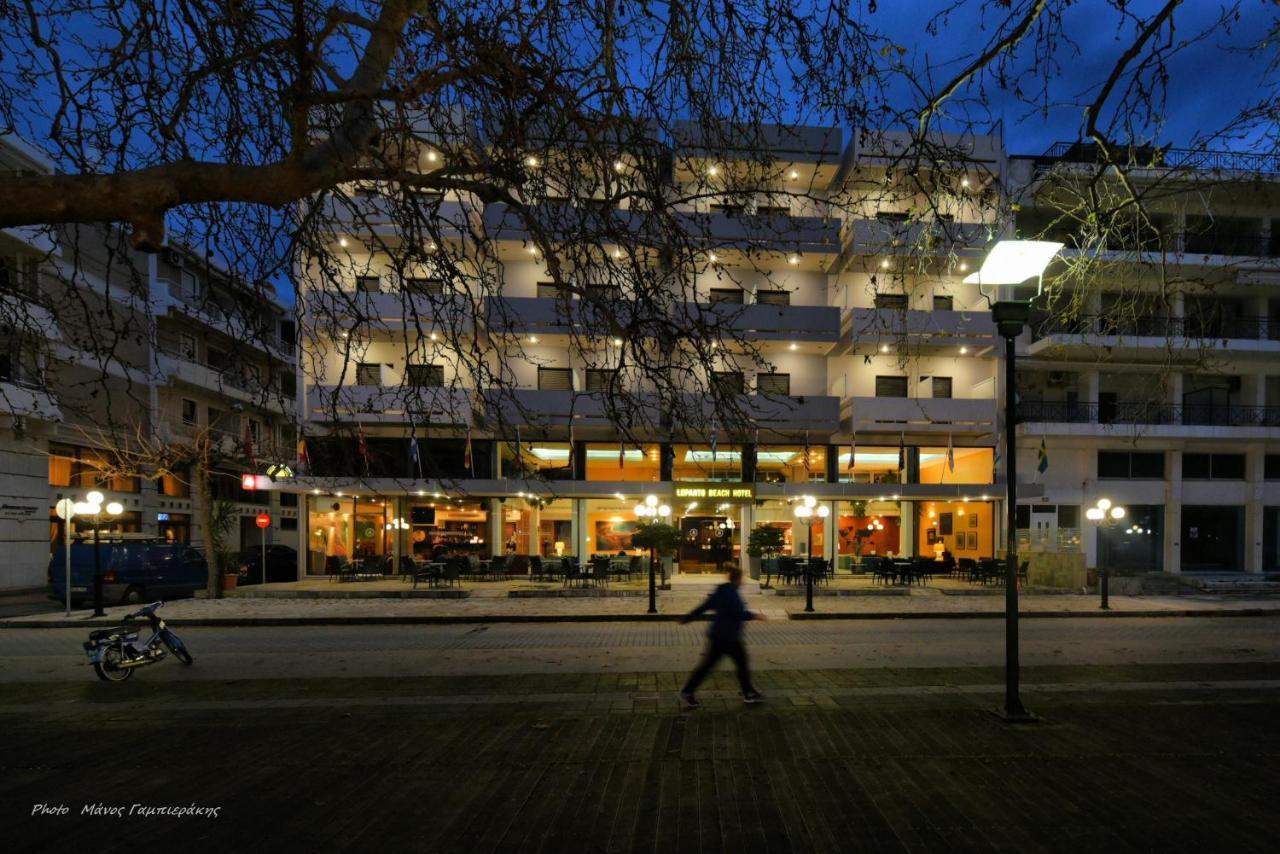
[(1044, 458)]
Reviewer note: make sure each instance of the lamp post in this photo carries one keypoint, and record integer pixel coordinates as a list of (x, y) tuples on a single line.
[(95, 509), (66, 510), (653, 511), (805, 511), (1011, 276), (1105, 515)]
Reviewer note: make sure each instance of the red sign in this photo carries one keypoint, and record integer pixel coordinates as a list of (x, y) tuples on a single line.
[(248, 481), (264, 520)]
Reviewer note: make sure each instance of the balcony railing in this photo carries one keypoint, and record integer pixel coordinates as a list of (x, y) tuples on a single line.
[(1151, 157), (1249, 328), (1122, 412)]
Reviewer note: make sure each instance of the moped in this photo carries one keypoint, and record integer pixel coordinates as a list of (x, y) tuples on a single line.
[(116, 652)]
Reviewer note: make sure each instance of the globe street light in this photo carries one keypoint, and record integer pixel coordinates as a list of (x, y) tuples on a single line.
[(653, 511), (1011, 276), (93, 507), (805, 511), (1105, 515)]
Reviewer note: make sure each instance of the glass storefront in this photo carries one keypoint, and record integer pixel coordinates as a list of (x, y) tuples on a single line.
[(965, 529), (626, 463), (973, 465), (350, 528), (611, 522), (871, 465), (865, 529), (699, 462), (791, 464), (1137, 545), (545, 460), (1212, 538)]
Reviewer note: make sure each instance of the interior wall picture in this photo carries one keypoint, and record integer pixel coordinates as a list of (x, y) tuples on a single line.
[(973, 541), (944, 524), (973, 520)]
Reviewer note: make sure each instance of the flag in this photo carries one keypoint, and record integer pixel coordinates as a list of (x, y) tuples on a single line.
[(468, 461), (362, 446), (304, 460), (414, 459), (519, 453), (806, 454), (622, 455), (853, 439), (995, 464), (573, 451), (1043, 466), (713, 444), (248, 445), (902, 453), (951, 454)]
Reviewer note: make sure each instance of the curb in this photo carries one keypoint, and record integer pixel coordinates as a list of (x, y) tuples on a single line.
[(234, 622)]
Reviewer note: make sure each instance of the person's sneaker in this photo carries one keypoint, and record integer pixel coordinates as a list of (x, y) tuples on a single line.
[(690, 701), (753, 697)]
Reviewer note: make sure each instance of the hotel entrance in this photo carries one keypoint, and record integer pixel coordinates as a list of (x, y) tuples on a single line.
[(707, 517)]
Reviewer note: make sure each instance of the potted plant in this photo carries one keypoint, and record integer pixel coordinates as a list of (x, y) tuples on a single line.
[(660, 539), (764, 541), (222, 517)]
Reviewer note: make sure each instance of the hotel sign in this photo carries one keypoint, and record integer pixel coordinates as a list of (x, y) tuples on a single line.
[(721, 491)]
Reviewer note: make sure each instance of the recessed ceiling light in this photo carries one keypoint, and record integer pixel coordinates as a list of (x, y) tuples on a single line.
[(531, 162), (793, 347), (617, 342), (793, 260), (963, 266), (533, 250), (618, 166), (432, 157), (793, 174), (713, 257), (342, 241), (884, 264), (964, 350), (964, 182), (533, 339), (433, 336), (884, 348), (713, 171), (617, 253)]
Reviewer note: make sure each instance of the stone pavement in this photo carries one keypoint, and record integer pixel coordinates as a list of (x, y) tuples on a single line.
[(1126, 759), (492, 602)]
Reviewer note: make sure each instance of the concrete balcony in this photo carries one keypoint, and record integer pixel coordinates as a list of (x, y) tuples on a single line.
[(958, 416), (779, 232), (551, 407), (1151, 338), (391, 404), (380, 214), (819, 413), (1156, 420), (176, 369), (20, 400), (394, 311), (267, 340), (937, 328), (887, 237)]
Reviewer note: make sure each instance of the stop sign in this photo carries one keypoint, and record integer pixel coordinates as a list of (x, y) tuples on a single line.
[(264, 520)]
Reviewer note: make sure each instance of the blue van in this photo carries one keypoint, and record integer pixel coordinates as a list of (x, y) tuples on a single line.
[(131, 572)]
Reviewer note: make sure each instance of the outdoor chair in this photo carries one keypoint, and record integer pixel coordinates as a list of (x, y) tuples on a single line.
[(600, 573), (1023, 571), (966, 567), (635, 566), (572, 571), (407, 568), (497, 567), (535, 568)]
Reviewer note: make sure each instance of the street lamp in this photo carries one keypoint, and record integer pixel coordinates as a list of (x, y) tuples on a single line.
[(1011, 276), (653, 511), (807, 510), (1105, 515), (67, 509)]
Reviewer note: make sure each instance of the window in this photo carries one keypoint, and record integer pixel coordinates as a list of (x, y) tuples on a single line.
[(728, 207), (893, 216), (288, 523), (942, 387), (219, 360), (1271, 467), (555, 379), (896, 302), (368, 373), (187, 346), (891, 386), (425, 376), (941, 303), (188, 411), (288, 383), (548, 290), (727, 382), (733, 295), (777, 384), (773, 297), (288, 499), (368, 284), (188, 285), (288, 334), (604, 293), (176, 484), (601, 379), (1130, 465), (1213, 466), (1068, 515), (422, 286)]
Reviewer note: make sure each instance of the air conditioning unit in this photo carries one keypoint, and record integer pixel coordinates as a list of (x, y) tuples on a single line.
[(1057, 378), (172, 256)]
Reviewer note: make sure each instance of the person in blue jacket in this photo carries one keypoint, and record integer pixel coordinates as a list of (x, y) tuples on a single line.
[(724, 637)]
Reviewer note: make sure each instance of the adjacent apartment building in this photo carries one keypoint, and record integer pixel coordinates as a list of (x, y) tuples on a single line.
[(100, 345)]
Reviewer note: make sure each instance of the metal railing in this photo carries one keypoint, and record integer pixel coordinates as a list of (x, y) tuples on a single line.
[(1251, 328), (1154, 157), (1122, 412)]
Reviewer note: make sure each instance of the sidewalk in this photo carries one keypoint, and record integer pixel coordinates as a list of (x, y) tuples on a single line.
[(494, 603)]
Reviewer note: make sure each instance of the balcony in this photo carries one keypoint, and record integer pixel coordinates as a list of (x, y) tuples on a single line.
[(770, 322), (259, 334), (1138, 337), (942, 328), (961, 416), (176, 368), (780, 232), (27, 400), (1171, 159), (885, 236), (377, 213), (1240, 420), (390, 404), (551, 407), (394, 311), (788, 143)]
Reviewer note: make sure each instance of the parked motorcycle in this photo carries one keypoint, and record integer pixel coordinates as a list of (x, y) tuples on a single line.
[(115, 653)]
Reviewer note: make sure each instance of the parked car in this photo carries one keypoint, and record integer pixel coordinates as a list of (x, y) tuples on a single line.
[(282, 565), (131, 572)]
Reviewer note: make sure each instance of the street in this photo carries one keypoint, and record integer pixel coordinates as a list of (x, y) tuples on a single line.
[(1157, 734)]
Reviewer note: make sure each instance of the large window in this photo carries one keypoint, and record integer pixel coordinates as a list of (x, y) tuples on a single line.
[(731, 295), (941, 387), (85, 468), (611, 523), (1138, 544), (550, 460), (778, 385), (601, 379), (1213, 466), (728, 382), (1130, 465), (972, 465), (873, 465), (788, 464), (1212, 538), (422, 286), (699, 462), (773, 297), (425, 376), (894, 302), (613, 461), (369, 373)]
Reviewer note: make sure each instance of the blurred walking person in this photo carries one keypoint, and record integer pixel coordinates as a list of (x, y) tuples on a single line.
[(724, 637)]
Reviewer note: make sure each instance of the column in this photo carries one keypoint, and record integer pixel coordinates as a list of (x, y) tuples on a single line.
[(1171, 551), (579, 529), (907, 529), (1092, 385), (746, 523), (497, 545), (830, 543), (1255, 461), (535, 540)]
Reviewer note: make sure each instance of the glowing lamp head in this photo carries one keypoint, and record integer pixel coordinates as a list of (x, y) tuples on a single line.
[(664, 510), (95, 497), (1104, 504), (115, 508), (824, 511), (651, 500), (1093, 514), (1117, 513)]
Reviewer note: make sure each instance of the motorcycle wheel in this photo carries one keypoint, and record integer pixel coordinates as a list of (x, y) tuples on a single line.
[(179, 650), (109, 669)]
